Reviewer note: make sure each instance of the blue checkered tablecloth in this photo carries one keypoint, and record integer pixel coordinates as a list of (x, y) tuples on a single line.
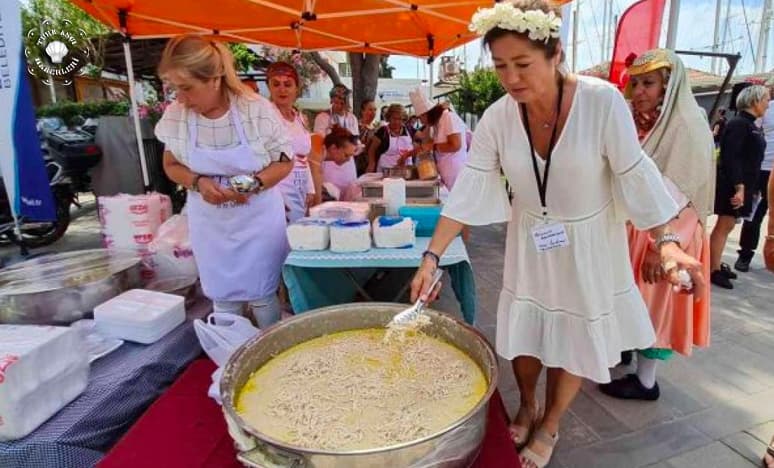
[(121, 386)]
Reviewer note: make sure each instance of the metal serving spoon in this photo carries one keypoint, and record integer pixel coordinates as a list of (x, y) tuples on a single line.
[(413, 312)]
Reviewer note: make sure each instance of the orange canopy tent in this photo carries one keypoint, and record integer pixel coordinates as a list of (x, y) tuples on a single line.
[(420, 28)]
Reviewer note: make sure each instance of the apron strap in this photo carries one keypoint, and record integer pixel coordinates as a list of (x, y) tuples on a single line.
[(236, 119), (193, 130)]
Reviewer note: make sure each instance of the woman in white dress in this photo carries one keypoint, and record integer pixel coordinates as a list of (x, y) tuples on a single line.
[(569, 149), (297, 188), (448, 133)]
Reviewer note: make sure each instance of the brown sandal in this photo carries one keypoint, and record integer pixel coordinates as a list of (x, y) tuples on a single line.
[(540, 461), (520, 434)]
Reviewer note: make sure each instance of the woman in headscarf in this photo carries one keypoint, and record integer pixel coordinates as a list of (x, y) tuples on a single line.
[(674, 133), (217, 128), (298, 188)]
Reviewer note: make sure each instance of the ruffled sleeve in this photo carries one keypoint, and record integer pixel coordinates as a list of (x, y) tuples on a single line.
[(479, 196), (638, 187)]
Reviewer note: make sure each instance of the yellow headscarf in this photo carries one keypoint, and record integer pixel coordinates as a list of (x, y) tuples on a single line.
[(681, 142)]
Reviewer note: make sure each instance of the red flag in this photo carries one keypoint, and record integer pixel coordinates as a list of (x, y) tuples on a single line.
[(638, 31)]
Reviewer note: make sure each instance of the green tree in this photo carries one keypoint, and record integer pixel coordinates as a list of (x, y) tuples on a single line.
[(385, 69), (477, 91), (244, 58)]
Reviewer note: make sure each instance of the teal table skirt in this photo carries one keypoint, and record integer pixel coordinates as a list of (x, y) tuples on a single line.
[(320, 279)]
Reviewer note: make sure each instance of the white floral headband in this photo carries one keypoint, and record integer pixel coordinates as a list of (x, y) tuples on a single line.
[(539, 25)]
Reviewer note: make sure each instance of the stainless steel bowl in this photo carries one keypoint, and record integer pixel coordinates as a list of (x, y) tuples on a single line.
[(62, 288), (454, 447)]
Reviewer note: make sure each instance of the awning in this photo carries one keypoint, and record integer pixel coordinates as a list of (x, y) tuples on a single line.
[(422, 28)]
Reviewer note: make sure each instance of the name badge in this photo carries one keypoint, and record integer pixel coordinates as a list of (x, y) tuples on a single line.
[(549, 237)]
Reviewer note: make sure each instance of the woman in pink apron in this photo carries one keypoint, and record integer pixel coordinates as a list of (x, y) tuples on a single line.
[(297, 188), (391, 144), (449, 136), (214, 130)]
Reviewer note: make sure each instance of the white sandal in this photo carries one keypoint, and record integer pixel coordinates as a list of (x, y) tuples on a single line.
[(523, 433), (540, 461)]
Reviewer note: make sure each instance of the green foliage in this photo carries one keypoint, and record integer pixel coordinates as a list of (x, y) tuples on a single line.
[(68, 110), (244, 58), (477, 91), (385, 69)]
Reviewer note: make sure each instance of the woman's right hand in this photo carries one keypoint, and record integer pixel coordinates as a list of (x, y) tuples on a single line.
[(422, 280), (213, 193)]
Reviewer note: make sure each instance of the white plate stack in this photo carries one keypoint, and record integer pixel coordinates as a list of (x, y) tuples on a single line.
[(140, 316), (42, 369)]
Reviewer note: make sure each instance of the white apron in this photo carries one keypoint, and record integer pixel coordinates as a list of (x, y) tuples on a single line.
[(390, 158), (298, 184), (239, 249)]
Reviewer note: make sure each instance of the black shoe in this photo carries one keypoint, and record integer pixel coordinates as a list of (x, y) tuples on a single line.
[(727, 271), (626, 357), (742, 264), (630, 388), (718, 278)]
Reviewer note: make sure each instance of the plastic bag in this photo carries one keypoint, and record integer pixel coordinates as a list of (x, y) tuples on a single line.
[(220, 335), (171, 253)]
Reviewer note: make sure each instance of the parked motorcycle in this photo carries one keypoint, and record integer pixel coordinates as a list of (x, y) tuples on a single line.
[(38, 234)]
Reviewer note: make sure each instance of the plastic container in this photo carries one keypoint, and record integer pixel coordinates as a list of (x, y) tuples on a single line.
[(140, 316), (345, 211), (347, 237), (425, 217)]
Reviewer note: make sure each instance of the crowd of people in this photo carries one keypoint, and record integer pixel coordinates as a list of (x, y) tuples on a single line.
[(590, 276)]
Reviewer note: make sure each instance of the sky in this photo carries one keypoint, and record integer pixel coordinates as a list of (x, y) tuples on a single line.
[(695, 32)]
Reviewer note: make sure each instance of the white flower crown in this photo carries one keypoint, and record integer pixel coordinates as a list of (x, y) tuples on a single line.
[(539, 25)]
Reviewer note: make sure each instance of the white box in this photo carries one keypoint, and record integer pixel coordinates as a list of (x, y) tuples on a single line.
[(345, 211), (140, 316), (42, 369), (350, 237), (393, 232), (309, 234)]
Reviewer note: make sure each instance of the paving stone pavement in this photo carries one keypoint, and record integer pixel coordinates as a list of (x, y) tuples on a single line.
[(716, 408)]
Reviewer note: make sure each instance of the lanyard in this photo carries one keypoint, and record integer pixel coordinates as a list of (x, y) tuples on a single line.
[(542, 183)]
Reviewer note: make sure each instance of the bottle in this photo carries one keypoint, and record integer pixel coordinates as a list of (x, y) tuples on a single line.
[(426, 166)]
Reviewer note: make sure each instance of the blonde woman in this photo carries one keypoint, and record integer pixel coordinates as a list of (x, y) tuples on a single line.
[(216, 129)]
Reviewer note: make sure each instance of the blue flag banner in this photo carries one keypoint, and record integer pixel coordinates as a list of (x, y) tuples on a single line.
[(21, 161)]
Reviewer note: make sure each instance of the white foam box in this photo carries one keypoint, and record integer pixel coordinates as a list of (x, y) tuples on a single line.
[(139, 315), (42, 369), (350, 236), (346, 211), (309, 234), (393, 232)]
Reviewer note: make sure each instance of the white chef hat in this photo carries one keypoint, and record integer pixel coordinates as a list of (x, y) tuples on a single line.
[(420, 102)]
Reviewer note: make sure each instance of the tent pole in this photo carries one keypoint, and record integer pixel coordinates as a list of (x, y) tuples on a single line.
[(135, 113)]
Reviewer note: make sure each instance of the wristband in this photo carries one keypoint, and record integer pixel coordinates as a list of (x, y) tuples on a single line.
[(666, 238), (432, 255)]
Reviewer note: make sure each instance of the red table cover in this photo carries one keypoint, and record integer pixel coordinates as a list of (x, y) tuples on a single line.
[(185, 428)]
